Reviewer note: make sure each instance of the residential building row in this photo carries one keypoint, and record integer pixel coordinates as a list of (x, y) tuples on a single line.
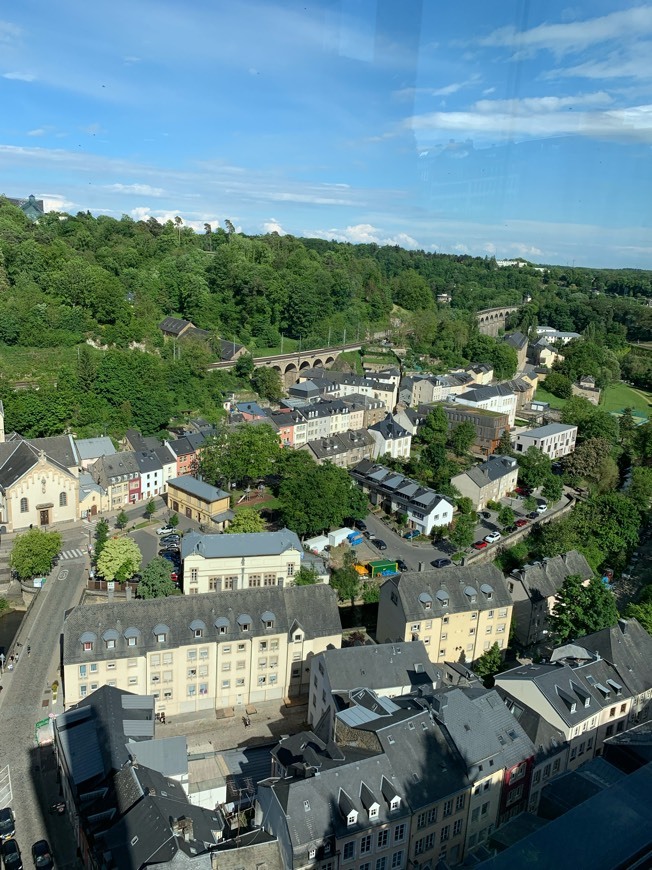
[(205, 652), (396, 493)]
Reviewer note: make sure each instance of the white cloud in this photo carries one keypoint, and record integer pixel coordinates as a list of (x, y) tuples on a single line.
[(444, 91), (56, 202), (576, 35), (273, 226), (629, 124), (365, 234), (143, 213), (532, 105), (136, 189), (9, 32), (19, 76), (489, 248), (525, 250), (633, 60), (39, 131)]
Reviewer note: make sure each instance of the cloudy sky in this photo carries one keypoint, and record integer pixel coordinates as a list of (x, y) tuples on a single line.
[(490, 126)]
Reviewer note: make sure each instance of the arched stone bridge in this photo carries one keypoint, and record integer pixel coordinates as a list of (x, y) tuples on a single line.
[(288, 365), (491, 320)]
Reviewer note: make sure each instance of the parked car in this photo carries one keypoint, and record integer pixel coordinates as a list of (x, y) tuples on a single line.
[(524, 491), (480, 545), (441, 563), (533, 516), (509, 529), (360, 525), (484, 515), (11, 855), (367, 534), (42, 856), (166, 530), (413, 533), (170, 539), (173, 550), (378, 544), (400, 564), (542, 507), (7, 824), (492, 537), (175, 558), (520, 523)]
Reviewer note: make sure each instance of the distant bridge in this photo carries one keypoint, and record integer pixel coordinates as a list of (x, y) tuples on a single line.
[(288, 365), (491, 320)]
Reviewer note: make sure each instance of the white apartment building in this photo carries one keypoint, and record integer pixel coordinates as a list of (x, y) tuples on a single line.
[(498, 399), (555, 440)]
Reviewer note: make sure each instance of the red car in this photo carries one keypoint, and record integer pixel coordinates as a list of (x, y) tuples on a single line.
[(521, 523), (524, 491), (480, 545)]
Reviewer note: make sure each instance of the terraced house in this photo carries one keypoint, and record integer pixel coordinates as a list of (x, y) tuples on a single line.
[(201, 652)]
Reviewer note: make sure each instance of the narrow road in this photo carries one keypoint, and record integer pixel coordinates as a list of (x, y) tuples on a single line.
[(27, 698)]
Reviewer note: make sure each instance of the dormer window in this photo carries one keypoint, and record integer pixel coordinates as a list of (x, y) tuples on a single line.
[(373, 811), (161, 632), (395, 803), (88, 640), (198, 628), (244, 621), (351, 819)]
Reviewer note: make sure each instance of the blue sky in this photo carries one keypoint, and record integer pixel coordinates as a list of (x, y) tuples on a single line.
[(510, 127)]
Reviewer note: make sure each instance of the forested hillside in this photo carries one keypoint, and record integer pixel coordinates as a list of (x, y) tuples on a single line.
[(68, 280)]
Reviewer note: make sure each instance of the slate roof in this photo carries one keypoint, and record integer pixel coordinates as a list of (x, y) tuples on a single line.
[(92, 448), (191, 486), (400, 488), (484, 731), (451, 583), (109, 468), (629, 649), (58, 448), (229, 349), (18, 456), (547, 739), (389, 429), (483, 394), (243, 544), (251, 408), (545, 579), (516, 340), (336, 445), (181, 447), (148, 461), (490, 470), (173, 325), (313, 608), (380, 666), (574, 693), (168, 755)]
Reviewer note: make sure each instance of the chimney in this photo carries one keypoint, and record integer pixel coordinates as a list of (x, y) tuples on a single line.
[(623, 625)]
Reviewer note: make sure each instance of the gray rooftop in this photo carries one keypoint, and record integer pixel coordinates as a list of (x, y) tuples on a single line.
[(191, 486), (449, 590), (244, 544), (491, 469), (546, 431), (545, 579), (380, 666), (92, 448), (312, 608)]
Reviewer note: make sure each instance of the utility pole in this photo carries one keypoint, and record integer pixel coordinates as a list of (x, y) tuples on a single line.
[(281, 343), (328, 343), (344, 339)]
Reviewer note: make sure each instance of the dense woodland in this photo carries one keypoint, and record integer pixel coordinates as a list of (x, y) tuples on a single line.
[(68, 280)]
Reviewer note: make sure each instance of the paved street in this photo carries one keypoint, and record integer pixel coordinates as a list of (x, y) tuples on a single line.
[(26, 698)]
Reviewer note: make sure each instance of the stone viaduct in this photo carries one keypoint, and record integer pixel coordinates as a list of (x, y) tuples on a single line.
[(288, 365), (491, 320)]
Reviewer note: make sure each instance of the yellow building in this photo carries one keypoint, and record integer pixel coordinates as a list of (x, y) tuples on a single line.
[(199, 501), (458, 613), (201, 652), (217, 563)]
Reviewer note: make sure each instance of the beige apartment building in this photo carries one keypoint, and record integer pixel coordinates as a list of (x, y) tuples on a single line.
[(458, 613), (219, 563), (489, 481), (204, 652)]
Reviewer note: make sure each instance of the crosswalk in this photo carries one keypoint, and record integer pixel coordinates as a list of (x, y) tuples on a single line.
[(71, 554)]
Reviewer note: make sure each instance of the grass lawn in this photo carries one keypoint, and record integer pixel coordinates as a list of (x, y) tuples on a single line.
[(619, 396), (542, 395), (38, 364)]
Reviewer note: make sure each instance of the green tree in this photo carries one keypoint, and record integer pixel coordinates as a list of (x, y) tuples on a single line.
[(239, 454), (485, 349), (101, 536), (534, 467), (462, 437), (435, 426), (346, 582), (318, 497), (465, 505), (552, 489), (156, 581), (150, 508), (643, 612), (267, 383), (247, 519), (119, 560), (559, 385), (306, 576), (85, 369), (584, 462), (173, 522), (121, 520), (506, 516), (5, 607), (529, 504), (489, 664), (33, 552), (463, 532), (626, 427), (244, 366), (580, 609), (370, 592), (639, 490), (505, 445)]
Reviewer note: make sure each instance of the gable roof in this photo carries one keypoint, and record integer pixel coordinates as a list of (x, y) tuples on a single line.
[(629, 649), (545, 579), (389, 429), (516, 340), (58, 448), (380, 666), (174, 325), (490, 470), (229, 349), (92, 448), (107, 468)]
